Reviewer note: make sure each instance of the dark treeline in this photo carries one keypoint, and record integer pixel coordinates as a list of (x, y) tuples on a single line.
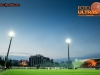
[(2, 62)]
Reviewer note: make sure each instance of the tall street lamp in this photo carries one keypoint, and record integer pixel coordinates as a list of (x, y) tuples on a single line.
[(11, 35), (68, 42)]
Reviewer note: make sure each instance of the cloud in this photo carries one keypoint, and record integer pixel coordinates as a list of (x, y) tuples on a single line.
[(23, 53), (11, 52), (95, 55), (16, 54), (89, 56), (15, 57)]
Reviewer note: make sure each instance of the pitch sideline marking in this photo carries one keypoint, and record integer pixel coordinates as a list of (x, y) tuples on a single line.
[(4, 72)]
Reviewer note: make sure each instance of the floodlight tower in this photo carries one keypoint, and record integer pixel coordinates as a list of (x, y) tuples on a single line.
[(68, 42), (11, 35)]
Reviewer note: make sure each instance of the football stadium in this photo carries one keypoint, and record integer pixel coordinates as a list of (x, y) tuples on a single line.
[(49, 37), (90, 66)]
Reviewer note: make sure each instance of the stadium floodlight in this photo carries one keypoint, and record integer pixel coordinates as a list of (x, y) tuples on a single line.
[(11, 35), (68, 41)]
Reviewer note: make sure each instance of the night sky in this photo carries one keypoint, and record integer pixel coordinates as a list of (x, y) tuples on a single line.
[(42, 26)]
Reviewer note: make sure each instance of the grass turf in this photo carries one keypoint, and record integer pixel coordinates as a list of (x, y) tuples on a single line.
[(50, 72)]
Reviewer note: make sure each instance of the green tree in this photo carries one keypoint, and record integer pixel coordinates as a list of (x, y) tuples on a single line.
[(9, 63), (51, 62), (1, 61)]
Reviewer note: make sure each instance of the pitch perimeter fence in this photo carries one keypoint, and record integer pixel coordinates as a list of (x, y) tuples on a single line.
[(57, 68)]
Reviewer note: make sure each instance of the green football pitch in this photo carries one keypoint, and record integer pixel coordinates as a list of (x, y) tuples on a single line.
[(49, 72)]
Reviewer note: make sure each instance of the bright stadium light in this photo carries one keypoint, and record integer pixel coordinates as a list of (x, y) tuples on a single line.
[(11, 34), (68, 41)]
